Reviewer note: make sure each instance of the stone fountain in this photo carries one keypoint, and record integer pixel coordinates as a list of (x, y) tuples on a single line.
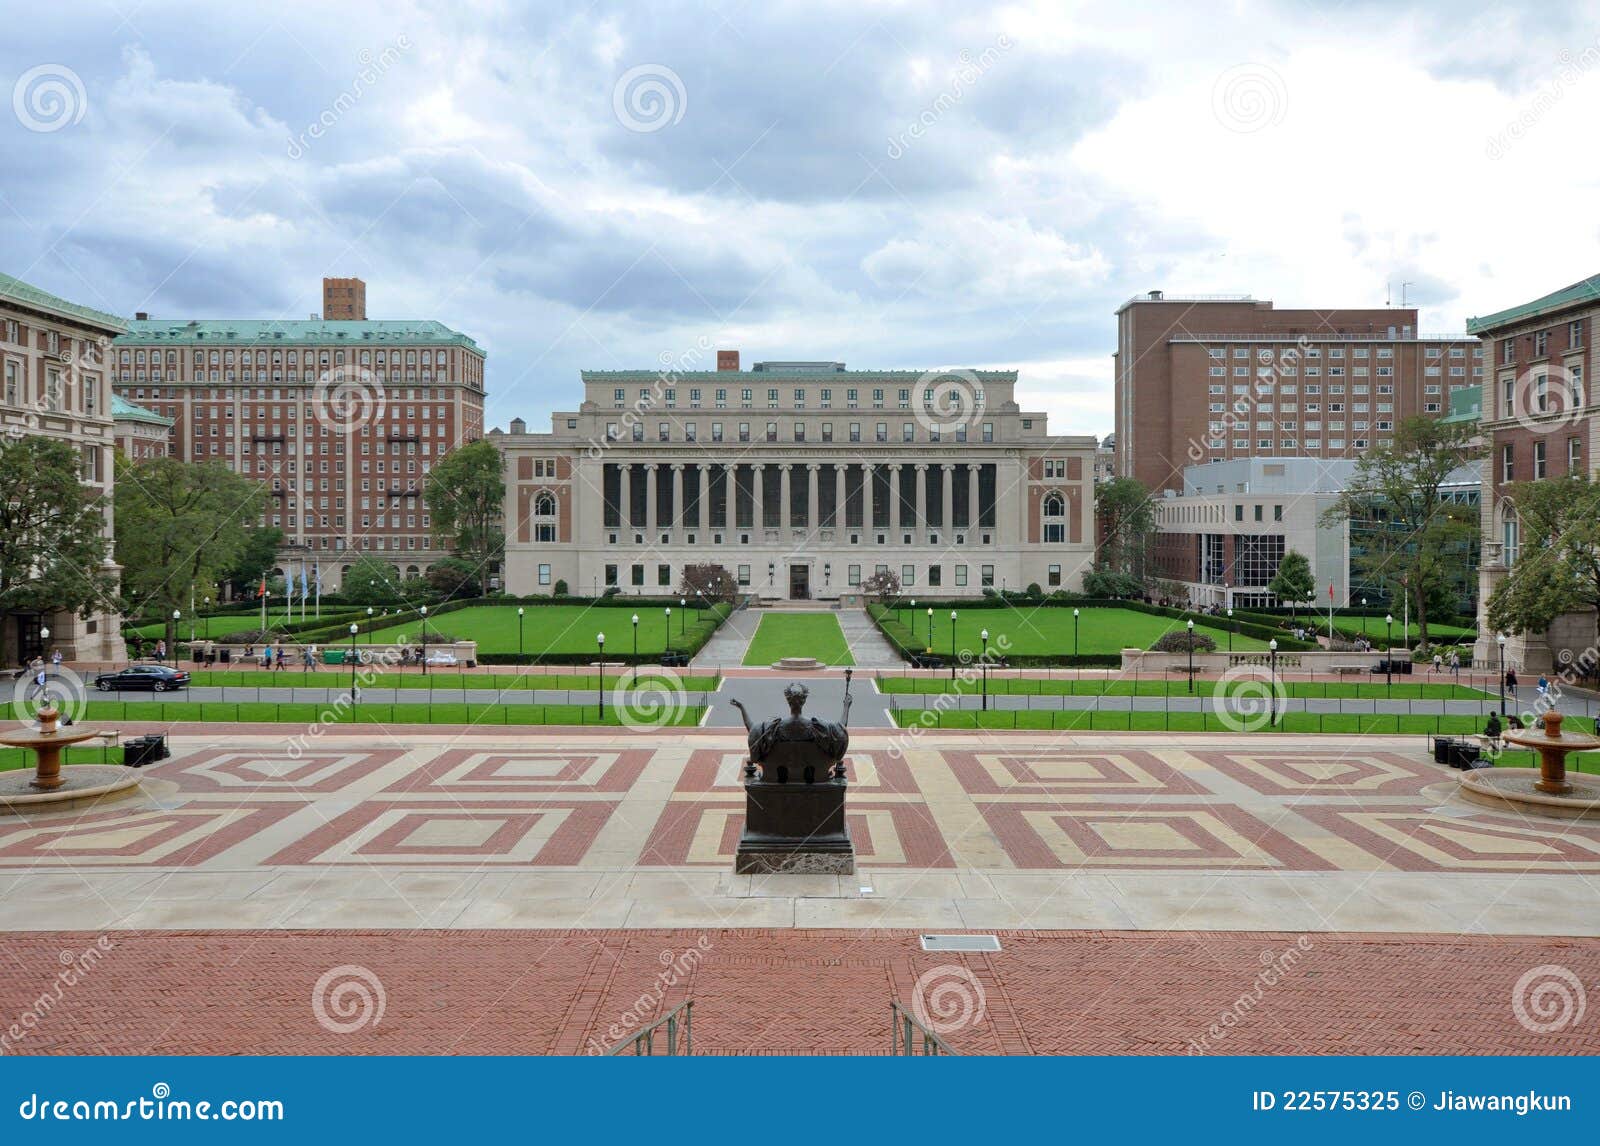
[(1549, 790), (50, 784)]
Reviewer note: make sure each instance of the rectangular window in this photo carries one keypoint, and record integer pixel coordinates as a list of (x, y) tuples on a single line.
[(544, 574), (961, 575)]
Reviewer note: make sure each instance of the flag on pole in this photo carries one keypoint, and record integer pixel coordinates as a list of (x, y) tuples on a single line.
[(262, 592), (318, 569)]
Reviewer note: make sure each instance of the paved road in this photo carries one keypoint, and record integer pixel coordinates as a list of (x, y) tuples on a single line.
[(763, 697)]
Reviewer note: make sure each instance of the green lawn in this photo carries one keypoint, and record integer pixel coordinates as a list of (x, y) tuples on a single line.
[(107, 713), (441, 678), (210, 628), (1122, 686), (1375, 628), (555, 628), (1036, 630), (1088, 720), (799, 635), (14, 758)]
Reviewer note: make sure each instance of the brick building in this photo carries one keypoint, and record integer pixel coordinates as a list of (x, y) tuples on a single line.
[(54, 373), (1539, 417), (341, 417), (803, 479), (1210, 378), (140, 433)]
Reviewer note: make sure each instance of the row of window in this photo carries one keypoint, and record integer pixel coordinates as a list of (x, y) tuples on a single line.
[(1508, 459), (968, 398), (1540, 342), (1293, 354), (291, 358), (691, 432), (933, 575)]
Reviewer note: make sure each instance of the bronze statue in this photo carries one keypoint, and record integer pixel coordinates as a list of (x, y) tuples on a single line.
[(798, 743)]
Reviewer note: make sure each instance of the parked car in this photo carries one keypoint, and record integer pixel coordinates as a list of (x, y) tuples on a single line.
[(674, 660), (157, 678)]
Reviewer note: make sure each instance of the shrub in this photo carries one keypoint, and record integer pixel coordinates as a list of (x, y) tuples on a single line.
[(561, 589), (1180, 640)]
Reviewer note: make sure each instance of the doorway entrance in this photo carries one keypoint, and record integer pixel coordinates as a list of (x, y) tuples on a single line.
[(800, 582)]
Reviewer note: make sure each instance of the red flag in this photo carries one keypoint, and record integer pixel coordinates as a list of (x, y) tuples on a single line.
[(1330, 590), (262, 592)]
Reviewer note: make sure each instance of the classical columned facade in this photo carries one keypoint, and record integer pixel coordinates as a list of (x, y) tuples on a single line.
[(803, 481)]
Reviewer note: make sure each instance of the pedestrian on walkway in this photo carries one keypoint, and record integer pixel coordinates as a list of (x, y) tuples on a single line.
[(1438, 662), (1511, 680), (55, 661), (1455, 663), (161, 651), (278, 666), (36, 668)]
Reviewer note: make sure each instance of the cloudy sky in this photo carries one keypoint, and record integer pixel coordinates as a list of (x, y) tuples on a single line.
[(892, 184)]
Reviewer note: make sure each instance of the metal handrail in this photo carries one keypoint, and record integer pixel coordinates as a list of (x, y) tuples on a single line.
[(643, 1040), (905, 1031)]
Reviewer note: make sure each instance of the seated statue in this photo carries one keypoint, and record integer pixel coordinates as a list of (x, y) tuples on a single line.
[(804, 746)]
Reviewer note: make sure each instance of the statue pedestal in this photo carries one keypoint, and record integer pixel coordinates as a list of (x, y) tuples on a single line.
[(794, 828)]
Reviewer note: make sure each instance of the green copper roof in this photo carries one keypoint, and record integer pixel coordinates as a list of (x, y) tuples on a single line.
[(1585, 290), (125, 411), (23, 294), (768, 377), (1466, 405), (291, 332)]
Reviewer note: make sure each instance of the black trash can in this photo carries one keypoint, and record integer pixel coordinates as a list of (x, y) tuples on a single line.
[(141, 750), (224, 655)]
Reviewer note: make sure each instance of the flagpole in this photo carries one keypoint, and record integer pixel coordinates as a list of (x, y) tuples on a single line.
[(319, 590)]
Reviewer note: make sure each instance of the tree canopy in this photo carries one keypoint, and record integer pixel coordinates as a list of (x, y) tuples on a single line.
[(1557, 569), (54, 552), (1294, 581), (1127, 519), (465, 492)]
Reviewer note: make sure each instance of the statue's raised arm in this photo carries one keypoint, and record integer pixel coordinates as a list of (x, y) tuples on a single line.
[(743, 715), (845, 718)]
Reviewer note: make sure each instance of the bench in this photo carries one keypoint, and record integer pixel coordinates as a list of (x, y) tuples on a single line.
[(1186, 668), (1347, 669)]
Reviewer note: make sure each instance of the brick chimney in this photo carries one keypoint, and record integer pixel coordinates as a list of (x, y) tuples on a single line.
[(344, 300), (727, 360)]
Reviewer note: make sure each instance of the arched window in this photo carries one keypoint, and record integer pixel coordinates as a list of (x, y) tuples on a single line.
[(544, 505), (1055, 509), (1054, 506)]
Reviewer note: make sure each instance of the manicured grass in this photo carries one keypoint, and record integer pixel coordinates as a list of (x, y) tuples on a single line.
[(1089, 720), (555, 628), (437, 678), (1114, 686), (108, 712), (1039, 630), (799, 635), (1375, 628), (210, 628), (13, 758)]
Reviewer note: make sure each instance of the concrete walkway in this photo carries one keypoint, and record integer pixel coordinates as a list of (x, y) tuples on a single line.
[(763, 697), (867, 645), (730, 642)]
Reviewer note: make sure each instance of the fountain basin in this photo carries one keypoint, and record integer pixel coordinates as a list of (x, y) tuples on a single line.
[(80, 783)]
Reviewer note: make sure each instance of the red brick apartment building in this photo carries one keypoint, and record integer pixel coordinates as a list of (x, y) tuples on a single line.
[(1214, 378), (340, 415)]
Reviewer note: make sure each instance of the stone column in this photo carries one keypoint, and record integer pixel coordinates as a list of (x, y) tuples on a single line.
[(758, 483), (678, 516), (972, 496), (730, 495), (635, 479), (703, 514), (839, 488), (922, 496), (866, 496), (785, 492), (650, 501), (813, 496), (947, 482), (896, 512)]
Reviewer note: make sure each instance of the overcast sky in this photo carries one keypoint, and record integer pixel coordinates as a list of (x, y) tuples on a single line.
[(894, 185)]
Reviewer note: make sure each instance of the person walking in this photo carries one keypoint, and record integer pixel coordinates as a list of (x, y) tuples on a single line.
[(161, 651), (36, 670), (278, 666), (1438, 662), (1511, 681), (1455, 664), (55, 661)]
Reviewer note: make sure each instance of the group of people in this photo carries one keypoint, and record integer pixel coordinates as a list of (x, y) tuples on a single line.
[(39, 676), (1454, 663)]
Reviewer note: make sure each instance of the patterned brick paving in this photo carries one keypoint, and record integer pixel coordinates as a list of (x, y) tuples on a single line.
[(823, 992)]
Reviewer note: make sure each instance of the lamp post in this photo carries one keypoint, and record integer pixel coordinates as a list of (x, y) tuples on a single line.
[(423, 612), (1191, 656), (984, 636), (930, 628), (354, 628), (600, 665), (44, 637), (668, 639), (636, 638), (683, 614), (952, 644), (369, 624), (519, 632), (1230, 630), (1272, 671), (1074, 632), (1388, 653), (1500, 645)]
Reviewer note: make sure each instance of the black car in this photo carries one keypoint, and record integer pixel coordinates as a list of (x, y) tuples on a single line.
[(157, 678)]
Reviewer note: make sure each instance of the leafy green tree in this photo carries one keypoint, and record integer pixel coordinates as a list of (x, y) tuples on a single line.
[(256, 558), (1414, 538), (1557, 569), (1107, 584), (54, 552), (1293, 582), (465, 491), (452, 577), (178, 525), (1127, 520), (371, 582)]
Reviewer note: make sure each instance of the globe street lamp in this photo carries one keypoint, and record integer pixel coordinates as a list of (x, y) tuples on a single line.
[(1272, 670), (1500, 644), (600, 640), (44, 637), (683, 614), (354, 628), (1191, 656), (930, 629), (369, 625), (952, 644), (636, 638), (519, 632), (1074, 632), (1230, 630), (984, 636), (423, 612), (668, 639), (1388, 653)]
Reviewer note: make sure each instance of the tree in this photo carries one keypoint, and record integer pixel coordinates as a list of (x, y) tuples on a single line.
[(54, 553), (1107, 584), (1412, 537), (1557, 569), (452, 577), (712, 584), (1293, 582), (882, 587), (371, 582), (256, 559), (1127, 520), (178, 524), (465, 491)]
